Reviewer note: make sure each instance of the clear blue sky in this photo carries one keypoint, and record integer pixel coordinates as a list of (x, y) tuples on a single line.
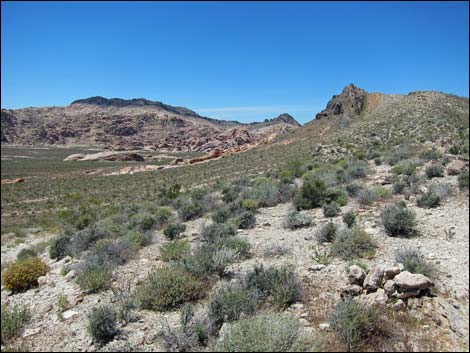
[(230, 60)]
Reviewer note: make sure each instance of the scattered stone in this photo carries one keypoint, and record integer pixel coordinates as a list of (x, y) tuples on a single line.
[(373, 279), (398, 305), (324, 326), (455, 167), (407, 281), (71, 274), (389, 287), (48, 308), (42, 281), (391, 272), (351, 290), (408, 294), (356, 275), (316, 267), (377, 298), (31, 332)]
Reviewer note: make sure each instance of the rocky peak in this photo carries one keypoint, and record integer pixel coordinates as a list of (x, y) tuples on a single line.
[(350, 102), (287, 119)]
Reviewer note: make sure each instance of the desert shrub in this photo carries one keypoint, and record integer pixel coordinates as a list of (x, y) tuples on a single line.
[(273, 250), (399, 187), (59, 247), (240, 246), (13, 319), (245, 220), (353, 188), (335, 195), (170, 193), (326, 233), (430, 154), (330, 210), (366, 196), (351, 243), (463, 180), (173, 230), (353, 322), (382, 192), (286, 192), (190, 210), (94, 278), (26, 253), (212, 232), (355, 170), (138, 239), (266, 333), (162, 216), (221, 215), (167, 288), (297, 220), (349, 218), (229, 301), (102, 324), (266, 193), (455, 149), (434, 171), (428, 200), (295, 168), (250, 204), (82, 240), (443, 190), (378, 161), (413, 261), (110, 253), (398, 220), (281, 286), (286, 176), (407, 167), (310, 195), (24, 274), (207, 260), (175, 250), (402, 152)]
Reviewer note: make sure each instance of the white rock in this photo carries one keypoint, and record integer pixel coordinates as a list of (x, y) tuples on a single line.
[(42, 281), (373, 279), (316, 267), (69, 314), (407, 281), (324, 326), (356, 275), (389, 287)]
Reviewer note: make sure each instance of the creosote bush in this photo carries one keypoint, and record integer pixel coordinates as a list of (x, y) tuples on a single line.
[(173, 230), (94, 278), (413, 261), (326, 233), (175, 250), (24, 274), (281, 286), (167, 288), (229, 301), (310, 195), (349, 218), (352, 243), (330, 210), (13, 319), (353, 322), (434, 171), (215, 231), (428, 200), (26, 253), (102, 324), (297, 220), (266, 333), (463, 180), (398, 220)]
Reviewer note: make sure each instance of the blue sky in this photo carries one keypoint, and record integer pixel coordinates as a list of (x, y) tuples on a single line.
[(230, 60)]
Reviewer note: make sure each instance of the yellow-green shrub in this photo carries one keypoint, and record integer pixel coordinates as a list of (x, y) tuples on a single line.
[(24, 274)]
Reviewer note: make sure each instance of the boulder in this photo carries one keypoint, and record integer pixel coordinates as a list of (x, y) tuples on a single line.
[(389, 287), (455, 167), (391, 272), (74, 157), (351, 290), (373, 279), (407, 281), (377, 298), (356, 275)]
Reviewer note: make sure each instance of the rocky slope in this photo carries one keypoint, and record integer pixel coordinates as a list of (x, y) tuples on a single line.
[(132, 124)]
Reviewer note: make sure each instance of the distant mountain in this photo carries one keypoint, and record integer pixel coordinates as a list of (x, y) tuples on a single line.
[(132, 124)]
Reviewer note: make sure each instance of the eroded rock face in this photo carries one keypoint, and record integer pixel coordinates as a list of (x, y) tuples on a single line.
[(107, 156), (349, 103)]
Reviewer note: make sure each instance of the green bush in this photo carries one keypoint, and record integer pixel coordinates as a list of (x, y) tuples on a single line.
[(335, 195), (229, 301), (59, 247), (215, 231), (331, 210), (175, 250), (428, 200), (94, 278), (326, 233), (398, 220), (173, 230), (281, 286), (26, 253), (349, 218), (24, 274), (434, 171), (310, 195), (382, 192), (246, 220), (167, 288), (413, 261), (352, 243), (366, 196), (102, 324), (266, 333), (190, 210), (137, 239), (407, 167), (240, 246), (13, 319), (265, 192), (208, 259), (430, 154), (353, 322), (250, 204), (463, 180), (297, 220)]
